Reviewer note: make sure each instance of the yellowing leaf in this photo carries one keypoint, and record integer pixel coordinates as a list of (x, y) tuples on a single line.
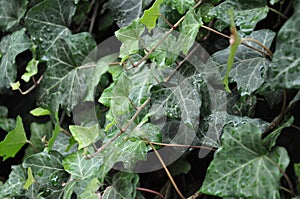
[(13, 141), (15, 86)]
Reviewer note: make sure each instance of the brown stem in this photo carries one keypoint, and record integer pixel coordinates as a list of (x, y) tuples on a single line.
[(32, 87), (184, 146), (94, 17), (150, 191)]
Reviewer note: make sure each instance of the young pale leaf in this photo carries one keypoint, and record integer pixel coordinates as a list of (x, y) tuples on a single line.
[(67, 87), (13, 141), (85, 136), (130, 37), (285, 70), (6, 124), (235, 41), (80, 167), (125, 11), (46, 29), (11, 12), (30, 179), (244, 167), (181, 5), (249, 67), (189, 30), (55, 133), (246, 15), (123, 187), (32, 69), (18, 43), (13, 187), (150, 16), (15, 86), (48, 172), (90, 190), (39, 111)]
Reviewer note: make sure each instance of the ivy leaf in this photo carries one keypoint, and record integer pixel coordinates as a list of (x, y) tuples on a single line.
[(62, 145), (244, 167), (39, 132), (90, 190), (150, 16), (18, 43), (246, 15), (123, 187), (30, 180), (13, 141), (270, 140), (11, 13), (85, 136), (32, 69), (69, 86), (13, 187), (130, 37), (48, 172), (68, 190), (189, 30), (249, 67), (285, 72), (81, 168), (6, 124), (181, 5), (39, 111), (46, 29), (125, 11)]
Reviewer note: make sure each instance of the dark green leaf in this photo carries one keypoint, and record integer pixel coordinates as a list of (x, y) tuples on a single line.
[(123, 187), (125, 11), (249, 67), (62, 144), (181, 5), (285, 70), (11, 12), (243, 167), (13, 141), (6, 124), (18, 43), (246, 15), (46, 29)]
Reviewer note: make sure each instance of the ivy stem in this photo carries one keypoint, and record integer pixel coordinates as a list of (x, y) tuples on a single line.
[(243, 43), (260, 44), (166, 170), (150, 191), (183, 146), (94, 17), (32, 87), (164, 37), (122, 130), (277, 12)]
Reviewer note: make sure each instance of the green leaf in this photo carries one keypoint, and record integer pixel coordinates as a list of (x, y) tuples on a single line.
[(125, 11), (90, 190), (80, 167), (13, 141), (284, 71), (13, 187), (181, 5), (67, 87), (244, 167), (85, 136), (270, 140), (6, 124), (11, 12), (150, 16), (249, 68), (46, 29), (246, 15), (15, 86), (32, 69), (18, 43), (189, 30), (39, 134), (123, 187), (297, 171), (62, 144), (102, 66), (39, 111), (68, 190), (55, 132), (130, 37), (30, 180), (235, 41), (48, 172)]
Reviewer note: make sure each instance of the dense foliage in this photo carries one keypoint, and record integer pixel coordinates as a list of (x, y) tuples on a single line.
[(149, 98)]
